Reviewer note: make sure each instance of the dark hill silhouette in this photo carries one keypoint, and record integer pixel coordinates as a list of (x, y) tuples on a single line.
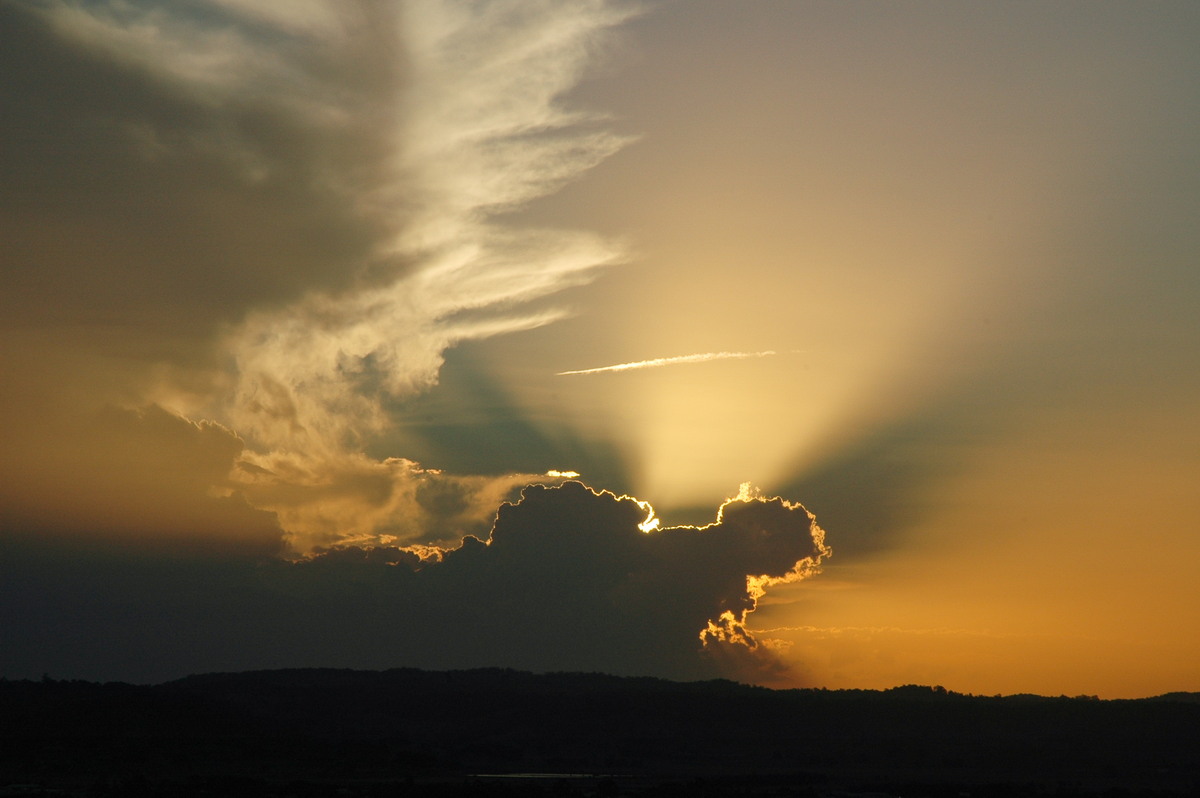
[(313, 732)]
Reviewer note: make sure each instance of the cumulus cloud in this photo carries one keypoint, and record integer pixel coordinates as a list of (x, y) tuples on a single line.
[(567, 580)]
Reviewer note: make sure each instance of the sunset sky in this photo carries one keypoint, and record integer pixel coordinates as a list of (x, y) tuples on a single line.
[(295, 295)]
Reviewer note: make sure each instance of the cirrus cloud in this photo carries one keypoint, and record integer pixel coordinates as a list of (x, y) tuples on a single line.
[(279, 222), (657, 362)]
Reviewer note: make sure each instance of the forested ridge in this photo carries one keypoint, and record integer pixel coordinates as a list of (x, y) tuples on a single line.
[(425, 732)]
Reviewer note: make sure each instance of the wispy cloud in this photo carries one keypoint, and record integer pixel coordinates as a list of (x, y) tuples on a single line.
[(657, 362), (323, 188)]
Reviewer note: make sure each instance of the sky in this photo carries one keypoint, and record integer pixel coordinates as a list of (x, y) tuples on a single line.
[(846, 344)]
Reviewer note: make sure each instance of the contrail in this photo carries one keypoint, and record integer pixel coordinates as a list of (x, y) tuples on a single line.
[(671, 361)]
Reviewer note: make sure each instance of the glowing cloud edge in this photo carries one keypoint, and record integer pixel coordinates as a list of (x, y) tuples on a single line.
[(729, 627)]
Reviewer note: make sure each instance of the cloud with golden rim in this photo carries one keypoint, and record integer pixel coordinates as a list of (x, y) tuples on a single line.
[(567, 579)]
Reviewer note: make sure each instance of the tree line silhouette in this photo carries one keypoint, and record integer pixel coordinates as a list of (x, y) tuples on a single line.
[(501, 732)]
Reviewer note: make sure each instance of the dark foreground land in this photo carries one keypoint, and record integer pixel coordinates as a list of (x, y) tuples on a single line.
[(309, 733)]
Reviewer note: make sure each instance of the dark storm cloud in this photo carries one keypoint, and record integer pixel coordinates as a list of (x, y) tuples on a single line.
[(140, 193), (568, 581)]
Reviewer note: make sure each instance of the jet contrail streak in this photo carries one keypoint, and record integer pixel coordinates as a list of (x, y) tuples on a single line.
[(671, 361)]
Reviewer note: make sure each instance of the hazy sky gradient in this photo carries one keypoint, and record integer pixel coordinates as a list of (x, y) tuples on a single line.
[(276, 281)]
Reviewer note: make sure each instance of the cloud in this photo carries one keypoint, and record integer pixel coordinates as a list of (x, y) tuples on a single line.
[(237, 243), (575, 579), (482, 132), (567, 580), (280, 222), (172, 170), (657, 362), (355, 499)]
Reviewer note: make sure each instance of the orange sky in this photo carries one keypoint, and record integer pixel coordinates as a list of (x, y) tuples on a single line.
[(967, 231), (277, 281)]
